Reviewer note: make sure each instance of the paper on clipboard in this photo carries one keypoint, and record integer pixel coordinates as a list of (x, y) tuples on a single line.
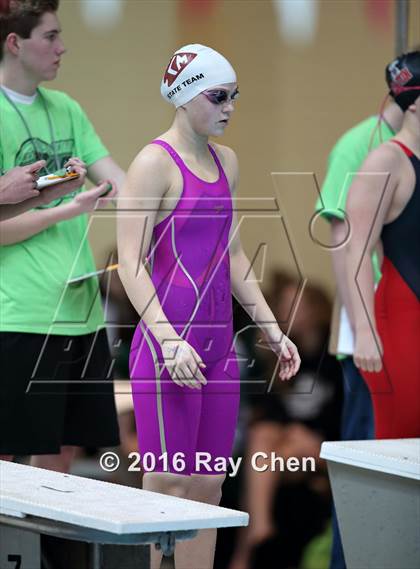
[(345, 344), (54, 179), (346, 340)]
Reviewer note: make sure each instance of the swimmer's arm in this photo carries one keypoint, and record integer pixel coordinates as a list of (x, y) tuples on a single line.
[(339, 242), (341, 168), (341, 165), (138, 204), (245, 288), (244, 283), (368, 203), (339, 235)]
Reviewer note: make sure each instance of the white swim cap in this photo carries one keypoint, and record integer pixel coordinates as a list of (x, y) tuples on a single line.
[(193, 69)]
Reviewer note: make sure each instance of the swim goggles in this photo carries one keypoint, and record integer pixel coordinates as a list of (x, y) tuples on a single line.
[(220, 96), (398, 89)]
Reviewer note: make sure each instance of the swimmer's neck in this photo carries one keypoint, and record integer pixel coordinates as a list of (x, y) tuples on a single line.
[(393, 116), (12, 78), (186, 140), (410, 134)]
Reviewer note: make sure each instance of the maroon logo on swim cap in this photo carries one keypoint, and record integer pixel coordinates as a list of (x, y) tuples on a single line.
[(403, 76), (177, 64), (401, 79), (399, 76)]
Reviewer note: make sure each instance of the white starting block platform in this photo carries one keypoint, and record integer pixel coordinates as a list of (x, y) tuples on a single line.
[(376, 489), (35, 501)]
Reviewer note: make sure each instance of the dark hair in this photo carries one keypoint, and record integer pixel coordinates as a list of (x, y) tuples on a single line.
[(22, 16), (402, 73)]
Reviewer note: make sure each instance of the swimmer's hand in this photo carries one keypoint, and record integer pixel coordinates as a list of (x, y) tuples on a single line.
[(368, 350), (284, 348), (183, 364)]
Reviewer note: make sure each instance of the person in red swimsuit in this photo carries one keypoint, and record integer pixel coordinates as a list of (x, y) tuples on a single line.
[(384, 207)]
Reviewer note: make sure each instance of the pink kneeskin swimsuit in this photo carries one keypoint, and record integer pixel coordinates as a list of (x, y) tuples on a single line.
[(189, 256)]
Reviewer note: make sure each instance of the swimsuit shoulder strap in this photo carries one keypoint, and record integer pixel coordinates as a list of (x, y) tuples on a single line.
[(218, 163), (405, 148), (172, 152)]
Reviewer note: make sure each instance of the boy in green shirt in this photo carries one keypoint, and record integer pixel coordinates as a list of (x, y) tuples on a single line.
[(49, 331)]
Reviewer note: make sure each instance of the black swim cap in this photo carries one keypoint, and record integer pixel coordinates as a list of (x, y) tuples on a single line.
[(400, 75)]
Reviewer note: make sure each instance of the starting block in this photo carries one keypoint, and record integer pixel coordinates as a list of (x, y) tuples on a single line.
[(109, 518), (376, 489)]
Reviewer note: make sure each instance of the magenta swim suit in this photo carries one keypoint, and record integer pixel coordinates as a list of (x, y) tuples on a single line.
[(186, 430)]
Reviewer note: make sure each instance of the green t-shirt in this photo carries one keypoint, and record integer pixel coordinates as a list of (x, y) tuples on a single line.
[(344, 161), (34, 296)]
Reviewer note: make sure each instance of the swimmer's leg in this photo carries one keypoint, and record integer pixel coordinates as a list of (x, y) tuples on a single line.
[(173, 485), (167, 415), (199, 552), (219, 413), (167, 421)]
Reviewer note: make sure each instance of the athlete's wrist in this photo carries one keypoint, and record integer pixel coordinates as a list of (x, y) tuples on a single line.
[(365, 330), (272, 332), (165, 333)]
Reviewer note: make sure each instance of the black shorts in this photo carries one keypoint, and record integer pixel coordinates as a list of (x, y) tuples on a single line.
[(54, 391)]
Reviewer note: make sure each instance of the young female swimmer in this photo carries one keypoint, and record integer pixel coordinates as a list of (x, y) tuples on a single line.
[(180, 260), (384, 205)]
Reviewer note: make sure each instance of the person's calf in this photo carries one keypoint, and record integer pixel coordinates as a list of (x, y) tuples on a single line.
[(57, 462), (265, 434), (206, 488), (177, 485)]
